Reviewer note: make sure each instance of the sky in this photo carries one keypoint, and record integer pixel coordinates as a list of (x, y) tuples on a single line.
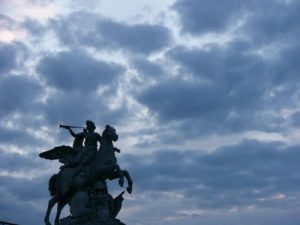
[(204, 95)]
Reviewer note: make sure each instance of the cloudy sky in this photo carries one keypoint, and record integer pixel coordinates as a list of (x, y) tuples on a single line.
[(203, 93)]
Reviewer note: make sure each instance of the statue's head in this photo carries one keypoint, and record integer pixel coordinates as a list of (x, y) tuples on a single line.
[(110, 133), (90, 125)]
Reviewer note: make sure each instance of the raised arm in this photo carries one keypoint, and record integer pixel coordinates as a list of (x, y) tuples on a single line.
[(72, 132)]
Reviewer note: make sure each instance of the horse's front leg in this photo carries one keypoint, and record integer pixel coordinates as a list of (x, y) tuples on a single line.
[(129, 181), (121, 175), (51, 203)]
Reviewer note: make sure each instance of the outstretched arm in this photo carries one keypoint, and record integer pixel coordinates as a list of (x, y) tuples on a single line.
[(72, 132)]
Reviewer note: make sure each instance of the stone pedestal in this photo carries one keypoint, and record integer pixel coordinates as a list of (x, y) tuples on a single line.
[(70, 220), (94, 208)]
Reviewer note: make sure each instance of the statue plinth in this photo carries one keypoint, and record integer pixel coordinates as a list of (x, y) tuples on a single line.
[(70, 220), (94, 207)]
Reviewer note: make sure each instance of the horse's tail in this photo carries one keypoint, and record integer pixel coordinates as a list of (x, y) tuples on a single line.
[(52, 183)]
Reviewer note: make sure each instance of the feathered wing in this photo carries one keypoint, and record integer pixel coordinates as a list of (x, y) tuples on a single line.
[(58, 152)]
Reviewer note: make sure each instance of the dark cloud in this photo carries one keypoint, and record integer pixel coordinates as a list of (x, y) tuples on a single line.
[(26, 189), (18, 93), (77, 29), (230, 88), (18, 136), (88, 29), (15, 211), (75, 108), (250, 173), (23, 199), (23, 193), (8, 57), (35, 28), (77, 77), (207, 108), (286, 68), (200, 16), (273, 21), (77, 71), (11, 161), (139, 38), (295, 119), (264, 20)]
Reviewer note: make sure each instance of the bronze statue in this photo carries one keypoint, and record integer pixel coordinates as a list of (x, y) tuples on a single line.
[(84, 166)]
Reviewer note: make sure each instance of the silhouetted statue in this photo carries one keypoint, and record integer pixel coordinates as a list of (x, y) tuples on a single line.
[(85, 168)]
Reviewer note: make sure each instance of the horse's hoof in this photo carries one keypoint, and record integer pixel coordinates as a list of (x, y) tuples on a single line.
[(129, 189), (47, 223), (121, 182)]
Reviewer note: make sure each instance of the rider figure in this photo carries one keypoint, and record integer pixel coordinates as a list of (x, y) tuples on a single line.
[(91, 139)]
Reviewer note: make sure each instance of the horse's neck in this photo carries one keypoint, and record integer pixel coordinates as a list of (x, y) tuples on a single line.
[(106, 145)]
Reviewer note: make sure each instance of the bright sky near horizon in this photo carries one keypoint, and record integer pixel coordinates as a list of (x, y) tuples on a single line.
[(203, 93)]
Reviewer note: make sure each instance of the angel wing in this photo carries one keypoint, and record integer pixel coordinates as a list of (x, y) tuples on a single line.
[(58, 152)]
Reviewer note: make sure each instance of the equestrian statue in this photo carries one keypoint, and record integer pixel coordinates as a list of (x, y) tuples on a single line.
[(85, 170)]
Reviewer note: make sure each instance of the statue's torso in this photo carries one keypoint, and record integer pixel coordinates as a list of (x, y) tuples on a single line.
[(91, 139)]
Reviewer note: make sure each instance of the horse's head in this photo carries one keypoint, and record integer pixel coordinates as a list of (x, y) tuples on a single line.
[(110, 133)]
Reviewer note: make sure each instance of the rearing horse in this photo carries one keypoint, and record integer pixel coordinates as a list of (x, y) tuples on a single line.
[(68, 181)]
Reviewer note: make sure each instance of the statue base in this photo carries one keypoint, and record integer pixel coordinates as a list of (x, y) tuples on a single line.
[(95, 207), (70, 220)]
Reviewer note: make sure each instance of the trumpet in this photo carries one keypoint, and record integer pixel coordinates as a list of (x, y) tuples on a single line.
[(68, 126)]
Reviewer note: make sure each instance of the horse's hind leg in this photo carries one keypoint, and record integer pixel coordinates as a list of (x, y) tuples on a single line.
[(129, 181), (51, 203), (60, 206)]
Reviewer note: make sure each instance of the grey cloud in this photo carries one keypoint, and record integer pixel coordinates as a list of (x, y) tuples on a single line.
[(77, 107), (178, 99), (231, 88), (18, 136), (88, 29), (77, 71), (20, 200), (18, 94), (139, 38), (207, 16), (77, 77), (11, 161), (203, 109), (20, 197), (250, 173), (273, 21), (25, 189), (35, 28), (286, 67), (266, 21), (8, 56), (295, 119), (76, 29)]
